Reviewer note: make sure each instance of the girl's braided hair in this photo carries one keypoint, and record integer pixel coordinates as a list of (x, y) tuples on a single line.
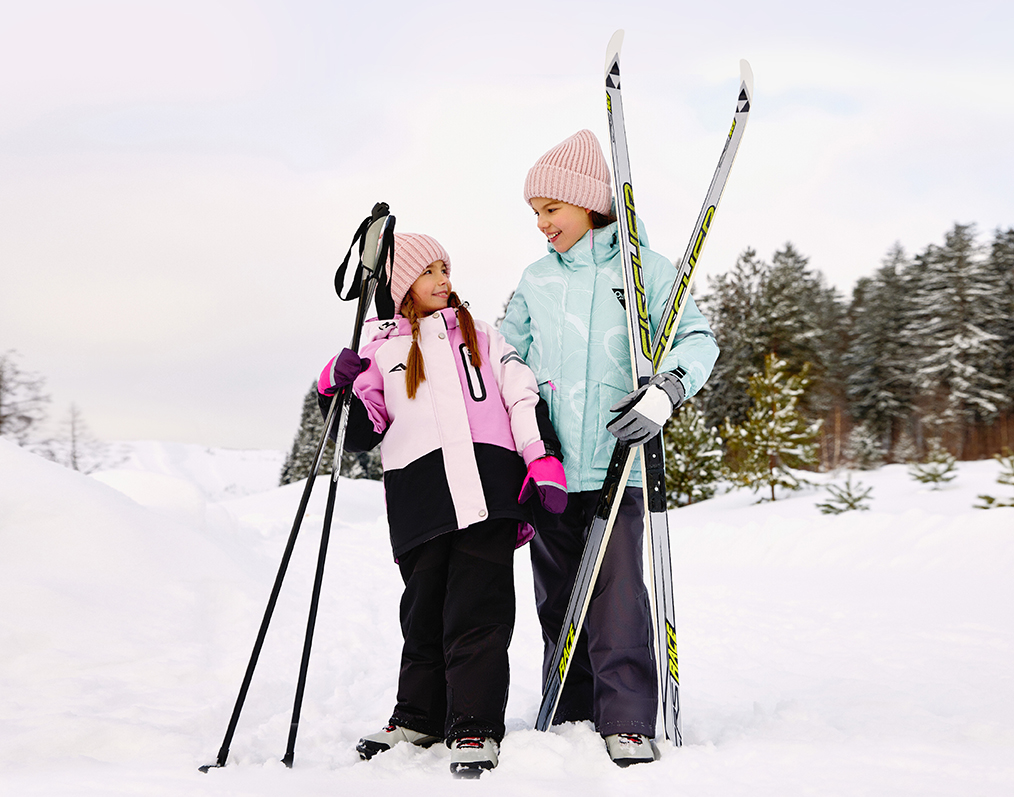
[(415, 373)]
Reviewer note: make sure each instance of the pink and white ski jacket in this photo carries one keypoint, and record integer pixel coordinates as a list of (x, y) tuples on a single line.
[(456, 454)]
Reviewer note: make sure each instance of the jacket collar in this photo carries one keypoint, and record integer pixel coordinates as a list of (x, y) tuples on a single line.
[(399, 325), (593, 247), (596, 246)]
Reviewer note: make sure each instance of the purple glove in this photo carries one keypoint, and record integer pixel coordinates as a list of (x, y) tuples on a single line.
[(546, 477), (341, 370)]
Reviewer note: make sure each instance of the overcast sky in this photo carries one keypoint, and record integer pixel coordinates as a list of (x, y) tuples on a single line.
[(179, 180)]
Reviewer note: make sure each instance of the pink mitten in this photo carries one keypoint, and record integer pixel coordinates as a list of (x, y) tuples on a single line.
[(547, 479)]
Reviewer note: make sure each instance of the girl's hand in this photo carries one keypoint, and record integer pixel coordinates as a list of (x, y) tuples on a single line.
[(645, 411), (547, 480), (341, 370)]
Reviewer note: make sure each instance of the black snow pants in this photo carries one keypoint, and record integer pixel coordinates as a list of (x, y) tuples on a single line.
[(457, 618), (612, 678)]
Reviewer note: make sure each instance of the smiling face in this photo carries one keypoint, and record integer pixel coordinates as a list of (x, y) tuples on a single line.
[(563, 224), (431, 289)]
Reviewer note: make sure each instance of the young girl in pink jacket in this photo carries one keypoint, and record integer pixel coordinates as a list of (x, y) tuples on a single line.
[(464, 442)]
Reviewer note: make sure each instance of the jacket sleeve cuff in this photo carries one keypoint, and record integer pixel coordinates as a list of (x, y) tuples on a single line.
[(534, 451)]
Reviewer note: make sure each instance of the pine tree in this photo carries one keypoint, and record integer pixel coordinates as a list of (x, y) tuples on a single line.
[(803, 322), (299, 461), (785, 308), (937, 468), (732, 308), (775, 439), (1001, 268), (693, 457), (78, 449), (953, 308), (878, 360), (22, 402), (863, 450), (846, 498), (1006, 460)]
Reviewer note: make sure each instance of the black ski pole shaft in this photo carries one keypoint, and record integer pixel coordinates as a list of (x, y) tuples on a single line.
[(290, 750), (223, 752), (370, 260)]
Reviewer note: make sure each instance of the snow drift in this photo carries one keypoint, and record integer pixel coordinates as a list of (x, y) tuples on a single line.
[(867, 652)]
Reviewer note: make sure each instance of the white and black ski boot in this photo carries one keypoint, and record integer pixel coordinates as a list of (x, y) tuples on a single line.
[(388, 737), (630, 748), (472, 755)]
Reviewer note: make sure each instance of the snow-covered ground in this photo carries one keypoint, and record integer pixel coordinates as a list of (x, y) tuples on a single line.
[(865, 653)]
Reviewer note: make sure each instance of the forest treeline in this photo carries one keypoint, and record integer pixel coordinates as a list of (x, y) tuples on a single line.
[(920, 356), (922, 351)]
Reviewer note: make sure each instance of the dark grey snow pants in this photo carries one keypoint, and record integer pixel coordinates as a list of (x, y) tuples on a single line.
[(612, 678)]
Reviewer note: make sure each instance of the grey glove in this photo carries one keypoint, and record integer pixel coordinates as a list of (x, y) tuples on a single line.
[(645, 411)]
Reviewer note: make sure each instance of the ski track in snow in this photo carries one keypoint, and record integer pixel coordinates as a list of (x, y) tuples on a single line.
[(865, 653)]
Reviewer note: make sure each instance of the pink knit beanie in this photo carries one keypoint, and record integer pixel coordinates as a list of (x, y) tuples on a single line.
[(413, 252), (573, 171)]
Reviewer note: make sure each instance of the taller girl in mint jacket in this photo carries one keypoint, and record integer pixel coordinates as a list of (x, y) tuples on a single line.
[(567, 319)]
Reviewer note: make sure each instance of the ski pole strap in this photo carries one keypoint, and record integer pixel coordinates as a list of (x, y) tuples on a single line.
[(355, 289), (339, 277), (382, 273)]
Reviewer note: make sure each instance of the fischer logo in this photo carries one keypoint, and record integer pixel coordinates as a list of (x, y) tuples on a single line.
[(670, 635), (667, 328), (640, 297), (568, 649)]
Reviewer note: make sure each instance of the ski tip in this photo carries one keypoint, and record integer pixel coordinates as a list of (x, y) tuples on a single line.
[(613, 49), (746, 75)]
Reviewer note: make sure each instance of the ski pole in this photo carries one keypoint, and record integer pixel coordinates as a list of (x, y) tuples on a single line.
[(380, 212), (385, 232)]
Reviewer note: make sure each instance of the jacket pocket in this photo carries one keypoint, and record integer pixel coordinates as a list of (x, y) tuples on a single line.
[(476, 385), (608, 393)]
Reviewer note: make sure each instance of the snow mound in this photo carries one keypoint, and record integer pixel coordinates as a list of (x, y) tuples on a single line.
[(867, 652)]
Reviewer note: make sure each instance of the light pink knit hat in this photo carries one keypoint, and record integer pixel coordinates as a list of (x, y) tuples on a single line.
[(413, 252), (573, 171)]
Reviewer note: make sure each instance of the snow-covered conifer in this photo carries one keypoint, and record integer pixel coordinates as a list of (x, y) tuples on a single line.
[(879, 357), (864, 449), (732, 308), (1006, 460), (846, 498), (693, 457), (1001, 266), (803, 322), (775, 439), (22, 402), (954, 307), (937, 468), (299, 460)]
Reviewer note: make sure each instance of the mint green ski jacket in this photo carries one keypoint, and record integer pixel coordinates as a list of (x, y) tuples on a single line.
[(567, 320)]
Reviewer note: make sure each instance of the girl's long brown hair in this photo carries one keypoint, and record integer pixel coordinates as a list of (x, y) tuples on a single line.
[(415, 373)]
